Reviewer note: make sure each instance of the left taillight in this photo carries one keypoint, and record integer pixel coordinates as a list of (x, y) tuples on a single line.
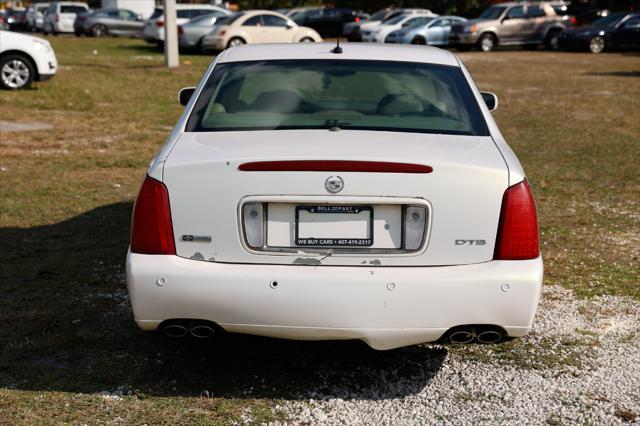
[(517, 237), (151, 228)]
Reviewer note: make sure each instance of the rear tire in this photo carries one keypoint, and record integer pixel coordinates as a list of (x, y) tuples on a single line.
[(16, 72), (551, 41), (99, 30), (236, 41), (597, 45), (419, 40), (487, 42)]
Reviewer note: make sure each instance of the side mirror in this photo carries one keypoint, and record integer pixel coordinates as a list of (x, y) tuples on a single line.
[(490, 99), (290, 25), (185, 94)]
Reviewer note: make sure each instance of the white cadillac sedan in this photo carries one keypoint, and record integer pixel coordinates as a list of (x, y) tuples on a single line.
[(314, 193)]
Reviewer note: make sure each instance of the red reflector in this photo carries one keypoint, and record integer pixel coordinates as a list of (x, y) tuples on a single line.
[(151, 229), (334, 166), (518, 228), (159, 24)]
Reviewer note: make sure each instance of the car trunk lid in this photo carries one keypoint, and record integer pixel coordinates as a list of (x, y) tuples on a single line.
[(461, 196)]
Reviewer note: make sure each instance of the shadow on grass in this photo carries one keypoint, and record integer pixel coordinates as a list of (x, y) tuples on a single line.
[(616, 74), (66, 325)]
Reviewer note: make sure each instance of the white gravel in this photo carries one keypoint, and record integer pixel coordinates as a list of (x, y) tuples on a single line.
[(581, 364)]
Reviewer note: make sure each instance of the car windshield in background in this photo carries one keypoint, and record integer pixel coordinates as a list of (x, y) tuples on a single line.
[(72, 9), (609, 20), (346, 94), (206, 19), (492, 13), (394, 20), (156, 14), (378, 16), (229, 19)]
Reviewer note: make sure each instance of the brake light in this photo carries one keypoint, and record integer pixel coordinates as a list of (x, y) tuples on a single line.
[(56, 18), (357, 19), (573, 20), (82, 18), (180, 30), (159, 24), (517, 237), (334, 166), (151, 229)]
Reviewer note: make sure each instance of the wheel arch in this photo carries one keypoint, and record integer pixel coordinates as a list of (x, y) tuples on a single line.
[(420, 37), (492, 33), (27, 56), (552, 29)]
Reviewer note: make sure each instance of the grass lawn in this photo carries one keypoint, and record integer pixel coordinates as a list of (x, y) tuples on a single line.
[(69, 350)]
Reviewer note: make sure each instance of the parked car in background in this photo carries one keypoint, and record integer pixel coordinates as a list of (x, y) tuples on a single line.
[(353, 31), (153, 31), (367, 194), (25, 59), (3, 22), (527, 24), (61, 16), (257, 26), (616, 31), (35, 16), (378, 33), (103, 22), (435, 32), (579, 13), (328, 22), (17, 19), (191, 34)]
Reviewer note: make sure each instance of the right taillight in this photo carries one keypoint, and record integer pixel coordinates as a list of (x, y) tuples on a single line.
[(159, 24), (517, 237), (151, 229)]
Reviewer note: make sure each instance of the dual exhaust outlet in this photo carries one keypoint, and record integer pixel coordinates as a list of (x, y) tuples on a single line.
[(180, 328), (484, 335)]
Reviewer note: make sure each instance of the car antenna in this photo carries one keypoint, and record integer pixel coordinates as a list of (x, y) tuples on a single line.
[(337, 49)]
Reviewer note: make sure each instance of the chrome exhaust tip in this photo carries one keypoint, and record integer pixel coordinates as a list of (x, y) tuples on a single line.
[(489, 337), (461, 337), (174, 331), (202, 331)]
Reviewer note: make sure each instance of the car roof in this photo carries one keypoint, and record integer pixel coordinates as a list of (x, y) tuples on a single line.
[(359, 51)]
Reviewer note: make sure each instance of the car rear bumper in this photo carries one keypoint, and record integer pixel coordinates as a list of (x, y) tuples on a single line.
[(463, 39), (213, 43), (386, 307)]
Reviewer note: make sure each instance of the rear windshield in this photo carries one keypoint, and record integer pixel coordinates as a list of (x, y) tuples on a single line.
[(156, 13), (608, 21), (492, 13), (73, 9), (347, 94), (230, 19)]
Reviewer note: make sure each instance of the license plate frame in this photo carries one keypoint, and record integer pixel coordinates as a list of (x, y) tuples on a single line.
[(333, 242)]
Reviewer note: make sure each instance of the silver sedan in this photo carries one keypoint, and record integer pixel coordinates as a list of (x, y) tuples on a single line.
[(190, 35)]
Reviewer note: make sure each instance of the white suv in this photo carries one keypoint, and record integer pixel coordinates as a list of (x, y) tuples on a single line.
[(24, 59), (154, 27), (61, 15)]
